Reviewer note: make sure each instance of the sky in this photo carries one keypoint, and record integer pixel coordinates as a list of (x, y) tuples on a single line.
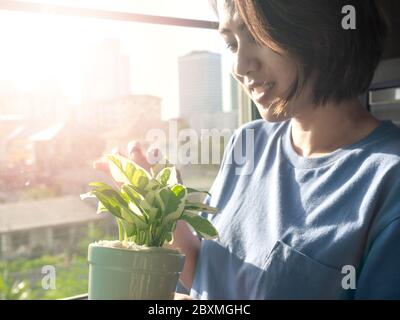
[(42, 50)]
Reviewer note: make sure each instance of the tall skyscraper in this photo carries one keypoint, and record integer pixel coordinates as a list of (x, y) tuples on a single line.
[(200, 84), (106, 72)]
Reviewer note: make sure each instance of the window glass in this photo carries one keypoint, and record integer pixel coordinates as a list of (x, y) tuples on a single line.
[(71, 90)]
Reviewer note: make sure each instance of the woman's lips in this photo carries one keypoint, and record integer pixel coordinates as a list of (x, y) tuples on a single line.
[(261, 92)]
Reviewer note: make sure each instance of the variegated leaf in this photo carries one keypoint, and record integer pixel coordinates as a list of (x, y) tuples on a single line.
[(198, 206), (167, 176), (124, 170), (201, 225)]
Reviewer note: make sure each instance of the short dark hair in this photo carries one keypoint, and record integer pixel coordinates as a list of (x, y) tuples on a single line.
[(342, 62)]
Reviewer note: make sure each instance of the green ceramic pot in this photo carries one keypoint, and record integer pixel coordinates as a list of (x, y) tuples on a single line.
[(125, 274)]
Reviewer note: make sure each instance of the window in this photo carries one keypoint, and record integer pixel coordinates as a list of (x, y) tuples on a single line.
[(20, 243), (74, 87)]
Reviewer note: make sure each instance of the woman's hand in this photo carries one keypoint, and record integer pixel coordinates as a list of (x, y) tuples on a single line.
[(181, 296), (136, 154)]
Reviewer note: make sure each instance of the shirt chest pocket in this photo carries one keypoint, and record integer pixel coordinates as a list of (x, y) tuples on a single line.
[(290, 274)]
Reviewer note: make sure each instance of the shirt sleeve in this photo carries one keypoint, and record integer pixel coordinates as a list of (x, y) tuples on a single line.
[(380, 274), (228, 150)]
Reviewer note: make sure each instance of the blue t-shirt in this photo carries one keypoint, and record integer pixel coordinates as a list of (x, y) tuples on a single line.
[(303, 228)]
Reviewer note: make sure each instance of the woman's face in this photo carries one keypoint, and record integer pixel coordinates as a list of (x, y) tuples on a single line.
[(264, 74)]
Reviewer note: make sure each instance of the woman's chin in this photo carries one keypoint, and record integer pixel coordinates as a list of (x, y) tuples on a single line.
[(273, 118), (267, 113)]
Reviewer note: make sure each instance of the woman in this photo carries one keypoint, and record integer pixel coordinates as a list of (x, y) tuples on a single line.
[(317, 215)]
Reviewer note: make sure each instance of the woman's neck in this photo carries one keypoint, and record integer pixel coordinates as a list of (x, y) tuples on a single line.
[(322, 130)]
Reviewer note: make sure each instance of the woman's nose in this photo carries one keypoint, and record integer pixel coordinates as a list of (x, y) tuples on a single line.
[(244, 63)]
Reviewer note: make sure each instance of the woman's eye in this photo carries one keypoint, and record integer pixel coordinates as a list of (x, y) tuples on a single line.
[(231, 46)]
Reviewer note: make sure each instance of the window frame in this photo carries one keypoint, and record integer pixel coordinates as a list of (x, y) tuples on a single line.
[(54, 9)]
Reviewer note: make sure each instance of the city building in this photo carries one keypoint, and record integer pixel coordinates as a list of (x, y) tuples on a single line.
[(133, 117), (106, 72), (32, 228), (200, 84)]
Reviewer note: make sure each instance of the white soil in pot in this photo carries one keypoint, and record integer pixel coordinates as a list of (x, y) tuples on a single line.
[(129, 246), (120, 245)]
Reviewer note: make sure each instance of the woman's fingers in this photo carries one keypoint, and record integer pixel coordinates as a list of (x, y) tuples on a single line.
[(181, 296), (154, 155), (135, 153), (102, 163)]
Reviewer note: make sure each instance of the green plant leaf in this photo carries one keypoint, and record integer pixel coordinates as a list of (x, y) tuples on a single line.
[(135, 201), (149, 205), (101, 208), (167, 196), (124, 170), (129, 229), (108, 192), (96, 185), (159, 201), (127, 215), (191, 190), (132, 218), (157, 167), (175, 199), (153, 185), (180, 191), (147, 208), (87, 195), (138, 210), (167, 176), (132, 193), (198, 206), (109, 203), (201, 225), (100, 186), (113, 195)]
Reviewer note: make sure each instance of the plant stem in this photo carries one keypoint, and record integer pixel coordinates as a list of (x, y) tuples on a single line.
[(120, 230)]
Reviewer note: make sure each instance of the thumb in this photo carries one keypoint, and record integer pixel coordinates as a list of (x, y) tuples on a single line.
[(101, 164), (136, 154)]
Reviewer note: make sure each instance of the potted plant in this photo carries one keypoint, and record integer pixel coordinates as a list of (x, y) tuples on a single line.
[(147, 206)]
